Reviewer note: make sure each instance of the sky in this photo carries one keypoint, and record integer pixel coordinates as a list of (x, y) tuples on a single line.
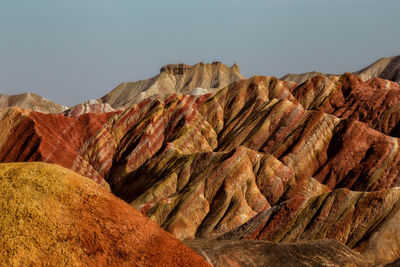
[(73, 50)]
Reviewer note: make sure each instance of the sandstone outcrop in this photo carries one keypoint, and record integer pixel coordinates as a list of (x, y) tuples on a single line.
[(53, 216), (174, 78)]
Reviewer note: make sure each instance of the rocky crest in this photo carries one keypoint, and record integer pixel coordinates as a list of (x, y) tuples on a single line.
[(174, 78)]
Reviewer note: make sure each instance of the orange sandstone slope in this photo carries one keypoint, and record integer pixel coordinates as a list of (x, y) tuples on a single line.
[(175, 78), (53, 216)]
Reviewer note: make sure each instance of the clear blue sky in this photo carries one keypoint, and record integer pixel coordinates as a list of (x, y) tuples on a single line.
[(73, 50)]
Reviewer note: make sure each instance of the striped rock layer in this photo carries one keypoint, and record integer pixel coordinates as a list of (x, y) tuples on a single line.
[(253, 160)]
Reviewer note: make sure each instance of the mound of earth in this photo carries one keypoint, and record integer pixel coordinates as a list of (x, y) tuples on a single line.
[(53, 216)]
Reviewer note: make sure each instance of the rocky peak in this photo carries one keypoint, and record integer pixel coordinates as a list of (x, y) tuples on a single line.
[(175, 69)]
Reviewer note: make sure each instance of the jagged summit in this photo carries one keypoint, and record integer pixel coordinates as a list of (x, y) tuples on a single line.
[(174, 78)]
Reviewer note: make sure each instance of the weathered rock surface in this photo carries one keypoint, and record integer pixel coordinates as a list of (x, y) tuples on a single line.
[(174, 78), (53, 216), (261, 253), (364, 221), (31, 101), (376, 102), (32, 136)]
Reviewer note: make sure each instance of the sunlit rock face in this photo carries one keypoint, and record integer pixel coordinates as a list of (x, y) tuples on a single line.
[(174, 78)]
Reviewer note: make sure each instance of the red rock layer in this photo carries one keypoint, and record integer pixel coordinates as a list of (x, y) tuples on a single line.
[(376, 102), (33, 136)]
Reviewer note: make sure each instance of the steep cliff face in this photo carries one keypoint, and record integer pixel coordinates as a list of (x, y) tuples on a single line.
[(53, 216), (174, 78), (258, 159)]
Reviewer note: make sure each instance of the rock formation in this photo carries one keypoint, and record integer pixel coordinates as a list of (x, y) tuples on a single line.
[(53, 216), (174, 78), (260, 159), (387, 68)]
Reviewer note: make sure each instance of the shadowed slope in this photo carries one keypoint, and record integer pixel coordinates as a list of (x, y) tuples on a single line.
[(53, 216)]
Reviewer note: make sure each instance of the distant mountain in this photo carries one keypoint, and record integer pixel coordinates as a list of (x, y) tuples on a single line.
[(386, 68), (302, 77), (175, 78), (31, 101)]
